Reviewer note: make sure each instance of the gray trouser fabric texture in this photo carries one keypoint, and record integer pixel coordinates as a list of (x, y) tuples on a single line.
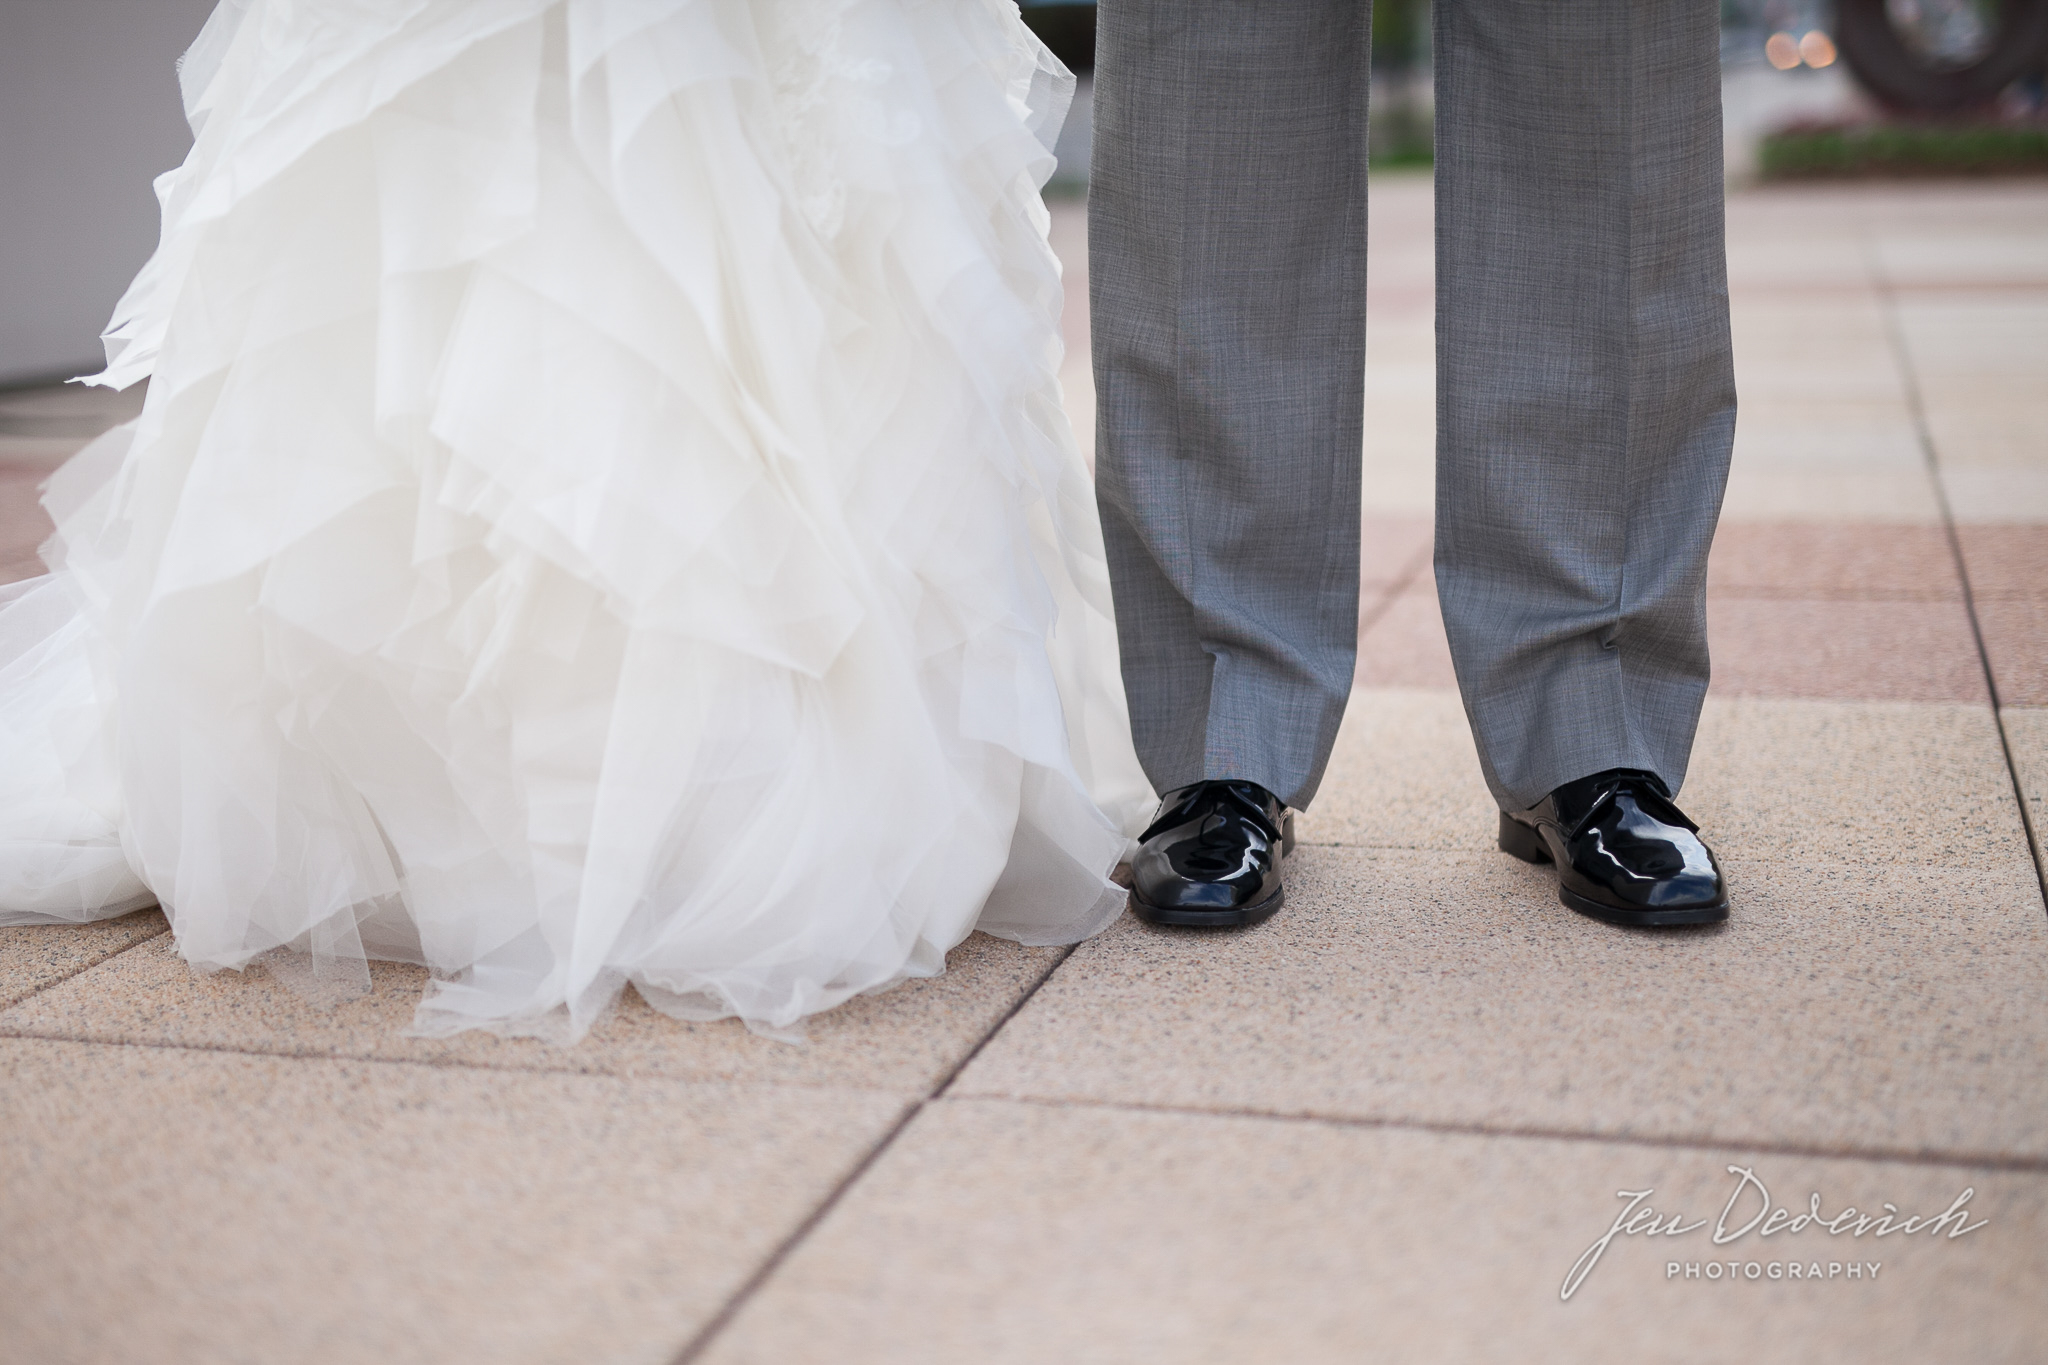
[(1585, 403)]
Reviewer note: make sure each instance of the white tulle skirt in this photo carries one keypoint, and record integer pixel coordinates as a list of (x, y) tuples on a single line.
[(603, 513)]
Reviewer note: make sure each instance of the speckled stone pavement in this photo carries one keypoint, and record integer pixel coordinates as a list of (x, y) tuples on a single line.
[(1384, 1126)]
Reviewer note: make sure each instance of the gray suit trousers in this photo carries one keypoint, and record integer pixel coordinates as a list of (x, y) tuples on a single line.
[(1585, 403)]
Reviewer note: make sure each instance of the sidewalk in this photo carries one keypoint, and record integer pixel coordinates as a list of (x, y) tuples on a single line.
[(1383, 1126)]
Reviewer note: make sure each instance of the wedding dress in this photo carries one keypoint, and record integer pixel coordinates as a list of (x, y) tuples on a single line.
[(602, 513)]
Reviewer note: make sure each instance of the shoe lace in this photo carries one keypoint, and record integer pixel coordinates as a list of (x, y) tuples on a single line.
[(1648, 793), (1246, 800)]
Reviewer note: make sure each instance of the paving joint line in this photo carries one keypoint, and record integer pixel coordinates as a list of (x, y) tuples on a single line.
[(1490, 853), (12, 1035), (57, 981), (699, 1343), (1916, 404), (1385, 603), (1971, 1160)]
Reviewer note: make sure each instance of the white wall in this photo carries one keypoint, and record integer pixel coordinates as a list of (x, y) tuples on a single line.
[(89, 116)]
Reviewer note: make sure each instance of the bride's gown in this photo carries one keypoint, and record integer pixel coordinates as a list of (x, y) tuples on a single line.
[(602, 513)]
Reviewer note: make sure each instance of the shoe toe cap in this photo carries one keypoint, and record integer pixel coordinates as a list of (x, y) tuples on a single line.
[(1684, 892), (1181, 893)]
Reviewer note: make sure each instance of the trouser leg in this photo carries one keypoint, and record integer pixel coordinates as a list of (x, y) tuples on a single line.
[(1227, 288), (1585, 400)]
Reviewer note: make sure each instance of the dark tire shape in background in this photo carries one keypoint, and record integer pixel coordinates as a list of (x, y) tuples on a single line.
[(1906, 82)]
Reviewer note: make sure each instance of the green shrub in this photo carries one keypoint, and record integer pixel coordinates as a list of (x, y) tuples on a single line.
[(1885, 149)]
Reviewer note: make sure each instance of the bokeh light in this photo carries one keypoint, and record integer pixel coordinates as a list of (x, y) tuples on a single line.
[(1817, 48), (1782, 51)]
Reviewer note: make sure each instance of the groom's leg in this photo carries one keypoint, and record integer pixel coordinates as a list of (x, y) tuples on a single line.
[(1227, 276), (1586, 401)]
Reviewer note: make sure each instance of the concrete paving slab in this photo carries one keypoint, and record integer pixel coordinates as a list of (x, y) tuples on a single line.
[(43, 426), (1832, 560), (166, 1205), (2026, 730), (1404, 774), (23, 524), (1408, 304), (1967, 343), (1807, 781), (1844, 648), (904, 1040), (1397, 355), (1858, 1009), (1835, 382), (1983, 433), (1835, 336), (1400, 474), (36, 956), (1786, 249), (1774, 259), (982, 1235), (2006, 561), (1891, 496), (1403, 257), (1954, 255), (2016, 639), (1803, 347), (1404, 645), (1841, 782), (1803, 437), (38, 454), (1956, 206), (1395, 551), (1983, 495)]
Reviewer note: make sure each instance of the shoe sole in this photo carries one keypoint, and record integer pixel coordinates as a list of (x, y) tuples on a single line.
[(1209, 919), (1519, 841)]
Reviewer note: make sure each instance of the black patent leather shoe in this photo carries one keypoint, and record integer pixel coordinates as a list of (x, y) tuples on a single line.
[(1211, 858), (1624, 852)]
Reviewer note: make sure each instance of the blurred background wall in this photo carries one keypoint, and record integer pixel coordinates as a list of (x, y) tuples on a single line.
[(89, 115)]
